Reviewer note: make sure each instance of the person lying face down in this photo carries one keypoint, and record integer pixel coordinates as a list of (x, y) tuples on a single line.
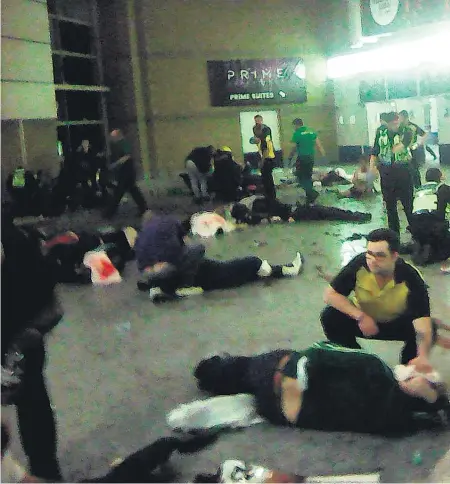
[(253, 210), (66, 251), (215, 274), (326, 387)]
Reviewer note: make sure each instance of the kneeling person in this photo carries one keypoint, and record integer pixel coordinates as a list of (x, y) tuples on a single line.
[(429, 227)]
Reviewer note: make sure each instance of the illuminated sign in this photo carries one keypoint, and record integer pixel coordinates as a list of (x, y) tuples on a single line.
[(257, 82), (388, 16)]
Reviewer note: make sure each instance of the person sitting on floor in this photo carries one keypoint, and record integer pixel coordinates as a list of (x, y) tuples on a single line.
[(215, 274), (66, 252), (227, 175), (429, 225), (161, 246), (362, 180), (199, 166), (253, 210), (327, 387)]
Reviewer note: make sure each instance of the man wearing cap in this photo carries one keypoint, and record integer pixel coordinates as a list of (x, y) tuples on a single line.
[(392, 156), (417, 148), (305, 142)]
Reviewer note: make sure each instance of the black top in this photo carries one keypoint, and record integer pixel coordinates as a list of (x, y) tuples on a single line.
[(28, 282), (201, 157), (407, 294), (417, 131)]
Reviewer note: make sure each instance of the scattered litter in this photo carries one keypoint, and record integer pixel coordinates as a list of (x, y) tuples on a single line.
[(123, 328), (260, 243), (417, 458)]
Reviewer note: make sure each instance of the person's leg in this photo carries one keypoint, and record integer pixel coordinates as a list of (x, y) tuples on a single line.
[(304, 177), (118, 193), (193, 174), (432, 153), (138, 197), (267, 179), (405, 188), (37, 425), (414, 169), (193, 254), (388, 185), (340, 328), (203, 180), (402, 329)]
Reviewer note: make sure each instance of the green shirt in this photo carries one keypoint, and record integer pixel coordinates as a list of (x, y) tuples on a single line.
[(305, 139)]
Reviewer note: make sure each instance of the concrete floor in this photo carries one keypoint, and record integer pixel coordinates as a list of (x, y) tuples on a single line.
[(112, 387)]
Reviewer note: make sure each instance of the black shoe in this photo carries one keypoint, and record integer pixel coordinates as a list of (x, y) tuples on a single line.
[(143, 286)]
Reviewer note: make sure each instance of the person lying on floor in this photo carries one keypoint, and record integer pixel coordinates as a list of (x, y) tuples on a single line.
[(253, 210), (429, 224), (141, 466), (67, 250), (214, 274), (327, 387)]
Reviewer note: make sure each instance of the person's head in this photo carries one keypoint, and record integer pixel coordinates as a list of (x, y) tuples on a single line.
[(392, 121), (383, 121), (434, 175), (403, 116), (258, 120), (297, 123), (383, 246), (212, 150), (85, 144), (116, 135)]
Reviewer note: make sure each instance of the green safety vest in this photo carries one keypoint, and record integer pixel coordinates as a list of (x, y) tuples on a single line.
[(386, 155), (18, 180)]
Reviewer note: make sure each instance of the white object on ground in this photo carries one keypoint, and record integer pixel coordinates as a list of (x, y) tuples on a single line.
[(351, 478), (206, 224), (317, 185), (351, 248), (103, 271), (231, 411), (405, 372), (343, 174)]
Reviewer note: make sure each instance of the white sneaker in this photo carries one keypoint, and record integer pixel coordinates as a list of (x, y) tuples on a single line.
[(295, 268)]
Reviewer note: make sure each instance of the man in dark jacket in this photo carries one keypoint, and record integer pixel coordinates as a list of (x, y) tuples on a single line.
[(29, 309), (198, 166)]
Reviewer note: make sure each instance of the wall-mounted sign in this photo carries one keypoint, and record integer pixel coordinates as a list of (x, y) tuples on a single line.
[(388, 16), (257, 82)]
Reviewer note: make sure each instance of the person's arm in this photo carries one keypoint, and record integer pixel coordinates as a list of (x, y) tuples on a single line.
[(375, 152), (421, 136), (407, 138), (418, 305), (319, 146)]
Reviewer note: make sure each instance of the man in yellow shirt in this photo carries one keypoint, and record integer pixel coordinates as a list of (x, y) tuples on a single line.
[(263, 138), (390, 301)]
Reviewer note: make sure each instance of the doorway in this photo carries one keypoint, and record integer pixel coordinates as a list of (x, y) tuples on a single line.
[(247, 121)]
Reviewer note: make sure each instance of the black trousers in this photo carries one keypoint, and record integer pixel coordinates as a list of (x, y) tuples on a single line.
[(397, 184), (417, 159), (267, 179), (126, 183), (303, 172), (343, 330), (429, 229), (319, 212), (37, 425)]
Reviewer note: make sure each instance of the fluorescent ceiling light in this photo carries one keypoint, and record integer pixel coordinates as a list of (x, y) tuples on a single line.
[(396, 57)]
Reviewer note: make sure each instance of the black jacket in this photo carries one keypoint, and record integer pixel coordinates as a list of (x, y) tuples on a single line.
[(201, 157)]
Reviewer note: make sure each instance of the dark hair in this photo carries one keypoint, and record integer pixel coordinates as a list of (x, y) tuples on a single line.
[(404, 112), (383, 117), (258, 116), (388, 235), (433, 175), (297, 122), (392, 116)]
